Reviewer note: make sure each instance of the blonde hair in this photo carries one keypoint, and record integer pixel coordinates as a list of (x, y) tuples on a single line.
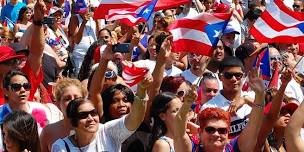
[(63, 83)]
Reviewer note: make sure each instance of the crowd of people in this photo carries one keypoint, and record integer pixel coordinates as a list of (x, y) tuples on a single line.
[(63, 87)]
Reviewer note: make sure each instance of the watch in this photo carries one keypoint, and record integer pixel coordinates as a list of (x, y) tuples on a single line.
[(38, 23)]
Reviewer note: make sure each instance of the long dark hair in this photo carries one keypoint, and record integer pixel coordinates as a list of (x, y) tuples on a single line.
[(22, 129), (159, 105), (107, 97)]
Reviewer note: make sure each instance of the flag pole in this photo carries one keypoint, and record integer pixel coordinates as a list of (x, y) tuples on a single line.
[(297, 63)]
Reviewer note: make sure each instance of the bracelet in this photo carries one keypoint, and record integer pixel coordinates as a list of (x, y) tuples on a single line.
[(141, 99), (260, 106), (38, 23)]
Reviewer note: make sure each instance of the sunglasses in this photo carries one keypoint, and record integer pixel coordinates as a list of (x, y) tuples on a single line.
[(275, 58), (17, 86), (212, 130), (283, 112), (11, 62), (110, 74), (85, 114), (208, 90), (229, 75), (296, 6)]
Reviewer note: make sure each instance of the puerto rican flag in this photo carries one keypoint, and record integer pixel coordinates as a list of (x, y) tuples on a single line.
[(133, 74), (263, 63), (279, 24), (198, 34), (105, 5), (131, 17)]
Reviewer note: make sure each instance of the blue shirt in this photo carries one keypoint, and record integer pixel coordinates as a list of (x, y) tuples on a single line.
[(11, 11)]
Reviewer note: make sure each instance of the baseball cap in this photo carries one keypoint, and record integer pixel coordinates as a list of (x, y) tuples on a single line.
[(232, 27), (291, 106), (253, 14), (7, 53), (245, 50), (55, 9)]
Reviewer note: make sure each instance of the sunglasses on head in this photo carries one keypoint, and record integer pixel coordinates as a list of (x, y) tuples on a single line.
[(212, 130), (17, 86), (85, 114), (229, 75), (110, 74)]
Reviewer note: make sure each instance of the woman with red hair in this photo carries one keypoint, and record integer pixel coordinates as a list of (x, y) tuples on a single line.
[(215, 126)]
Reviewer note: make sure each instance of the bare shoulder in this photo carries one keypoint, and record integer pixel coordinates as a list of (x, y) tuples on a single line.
[(161, 146), (52, 132)]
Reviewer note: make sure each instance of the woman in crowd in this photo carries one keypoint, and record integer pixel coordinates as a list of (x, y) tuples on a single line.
[(20, 132), (163, 111), (215, 122), (101, 137), (17, 89), (57, 39), (177, 85), (23, 21)]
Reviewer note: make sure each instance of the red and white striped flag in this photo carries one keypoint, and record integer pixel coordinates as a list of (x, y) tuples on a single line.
[(279, 24), (198, 34), (133, 74)]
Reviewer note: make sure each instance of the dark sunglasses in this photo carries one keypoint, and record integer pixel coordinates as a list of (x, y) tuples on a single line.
[(17, 86), (296, 6), (212, 130), (11, 62), (110, 74), (276, 58), (85, 114), (229, 75), (208, 90), (283, 112)]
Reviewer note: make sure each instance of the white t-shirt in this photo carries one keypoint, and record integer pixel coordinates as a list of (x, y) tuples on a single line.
[(189, 76), (239, 121), (109, 138)]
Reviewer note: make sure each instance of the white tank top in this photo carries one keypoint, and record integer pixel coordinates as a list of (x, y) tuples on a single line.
[(88, 37)]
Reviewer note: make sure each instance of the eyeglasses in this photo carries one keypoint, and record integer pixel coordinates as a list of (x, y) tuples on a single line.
[(110, 74), (85, 114), (296, 6), (212, 130), (276, 58), (11, 62), (229, 75), (17, 86)]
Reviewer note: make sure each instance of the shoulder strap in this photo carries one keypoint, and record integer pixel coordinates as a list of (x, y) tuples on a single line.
[(167, 141), (66, 146)]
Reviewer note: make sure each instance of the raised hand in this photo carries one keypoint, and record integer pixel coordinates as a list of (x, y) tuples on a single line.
[(236, 105), (146, 82), (106, 51), (191, 95), (39, 10), (256, 83), (286, 76), (165, 49)]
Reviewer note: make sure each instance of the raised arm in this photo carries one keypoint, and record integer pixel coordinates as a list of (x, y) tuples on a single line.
[(162, 57), (182, 142), (98, 79), (75, 31), (138, 109), (248, 138), (273, 114), (36, 46), (293, 138)]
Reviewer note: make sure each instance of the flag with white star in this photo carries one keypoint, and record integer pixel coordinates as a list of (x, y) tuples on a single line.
[(131, 16), (198, 34)]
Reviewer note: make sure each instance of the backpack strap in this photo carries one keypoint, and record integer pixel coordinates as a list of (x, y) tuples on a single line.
[(66, 146)]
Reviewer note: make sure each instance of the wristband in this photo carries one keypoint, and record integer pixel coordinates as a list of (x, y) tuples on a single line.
[(38, 23), (260, 106), (141, 99)]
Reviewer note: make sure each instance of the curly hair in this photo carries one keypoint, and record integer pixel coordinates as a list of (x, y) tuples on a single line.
[(171, 84), (213, 114), (66, 82)]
